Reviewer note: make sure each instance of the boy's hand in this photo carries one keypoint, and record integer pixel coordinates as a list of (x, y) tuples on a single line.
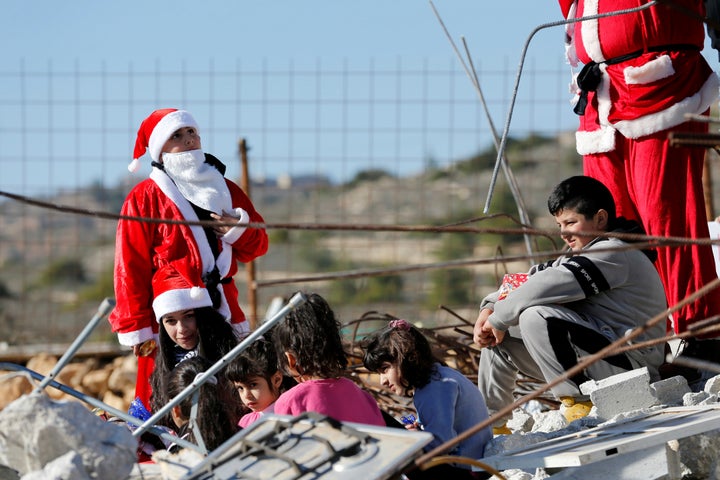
[(484, 335), (221, 230)]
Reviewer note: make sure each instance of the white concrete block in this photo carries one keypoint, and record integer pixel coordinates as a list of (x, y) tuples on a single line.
[(713, 385), (620, 393), (671, 390)]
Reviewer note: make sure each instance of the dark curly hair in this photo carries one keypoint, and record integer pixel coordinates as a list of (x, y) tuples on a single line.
[(403, 345), (312, 333), (213, 418)]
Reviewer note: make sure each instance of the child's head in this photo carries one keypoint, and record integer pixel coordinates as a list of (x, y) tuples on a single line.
[(213, 419), (256, 376), (581, 204), (401, 355), (308, 342), (181, 328), (165, 130)]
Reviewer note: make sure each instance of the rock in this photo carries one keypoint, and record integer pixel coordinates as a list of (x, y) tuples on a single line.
[(713, 385), (551, 421), (124, 373), (42, 363), (12, 389), (620, 393), (671, 390), (96, 382), (699, 453), (65, 467), (35, 431), (695, 398), (521, 421)]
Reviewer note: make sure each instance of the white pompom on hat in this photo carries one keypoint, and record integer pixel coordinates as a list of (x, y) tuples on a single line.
[(156, 129), (177, 287)]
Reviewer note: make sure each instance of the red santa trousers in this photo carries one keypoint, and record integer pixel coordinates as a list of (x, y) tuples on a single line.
[(661, 186)]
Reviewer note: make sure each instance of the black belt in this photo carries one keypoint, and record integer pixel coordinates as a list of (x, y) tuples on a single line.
[(212, 281), (590, 76)]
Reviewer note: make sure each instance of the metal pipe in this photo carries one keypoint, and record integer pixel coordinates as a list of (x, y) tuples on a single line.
[(104, 309), (472, 75)]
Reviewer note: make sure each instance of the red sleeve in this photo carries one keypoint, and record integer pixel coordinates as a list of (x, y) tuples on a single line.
[(253, 242), (133, 318)]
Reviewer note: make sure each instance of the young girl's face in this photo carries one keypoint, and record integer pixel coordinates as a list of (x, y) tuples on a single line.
[(181, 327), (257, 393), (183, 140), (391, 378)]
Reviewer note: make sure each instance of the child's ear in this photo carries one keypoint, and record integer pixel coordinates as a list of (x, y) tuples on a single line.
[(291, 360), (177, 417), (602, 219), (276, 380)]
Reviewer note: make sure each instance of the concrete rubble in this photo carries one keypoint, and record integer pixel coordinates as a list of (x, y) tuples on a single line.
[(45, 439), (41, 438)]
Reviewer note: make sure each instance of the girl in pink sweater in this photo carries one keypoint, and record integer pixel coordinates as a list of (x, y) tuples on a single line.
[(310, 350)]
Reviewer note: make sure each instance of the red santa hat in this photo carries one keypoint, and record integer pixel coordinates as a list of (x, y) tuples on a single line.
[(178, 287), (156, 129)]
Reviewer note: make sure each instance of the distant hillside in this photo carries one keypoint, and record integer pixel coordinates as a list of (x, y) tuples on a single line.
[(56, 267)]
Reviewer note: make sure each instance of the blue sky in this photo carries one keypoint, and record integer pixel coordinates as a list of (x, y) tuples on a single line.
[(133, 30), (43, 35)]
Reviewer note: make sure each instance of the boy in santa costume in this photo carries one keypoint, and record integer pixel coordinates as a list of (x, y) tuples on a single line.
[(643, 72), (185, 184)]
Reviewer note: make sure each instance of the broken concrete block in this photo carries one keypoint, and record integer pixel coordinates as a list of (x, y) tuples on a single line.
[(551, 421), (699, 453), (670, 391), (35, 430), (713, 385), (620, 393), (694, 398), (521, 421)]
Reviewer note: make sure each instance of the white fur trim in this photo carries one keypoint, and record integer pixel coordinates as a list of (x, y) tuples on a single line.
[(597, 141), (603, 139), (652, 71), (134, 165), (674, 115), (180, 299), (135, 337), (164, 129), (169, 189), (233, 235), (241, 328), (201, 241), (591, 32)]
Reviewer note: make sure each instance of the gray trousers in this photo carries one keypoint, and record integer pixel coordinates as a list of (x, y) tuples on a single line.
[(546, 342)]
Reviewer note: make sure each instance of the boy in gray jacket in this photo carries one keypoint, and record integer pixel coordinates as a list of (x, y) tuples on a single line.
[(573, 306)]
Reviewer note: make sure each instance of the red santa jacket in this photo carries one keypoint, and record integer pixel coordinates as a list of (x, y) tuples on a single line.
[(141, 248), (666, 77)]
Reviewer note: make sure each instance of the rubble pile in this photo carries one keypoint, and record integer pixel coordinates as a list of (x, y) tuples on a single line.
[(44, 436)]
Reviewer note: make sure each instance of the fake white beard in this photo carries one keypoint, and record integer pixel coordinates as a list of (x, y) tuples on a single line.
[(200, 183)]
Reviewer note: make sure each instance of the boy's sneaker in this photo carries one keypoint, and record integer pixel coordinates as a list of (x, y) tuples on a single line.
[(573, 409)]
